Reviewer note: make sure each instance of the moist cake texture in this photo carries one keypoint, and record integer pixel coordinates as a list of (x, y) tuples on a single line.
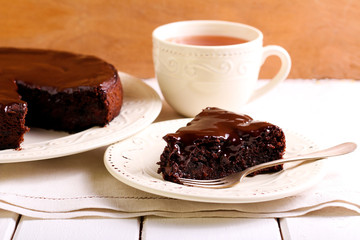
[(54, 90), (217, 143)]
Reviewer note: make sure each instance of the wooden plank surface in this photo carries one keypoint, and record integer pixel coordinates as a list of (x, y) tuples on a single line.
[(321, 36), (79, 228), (8, 222), (330, 224), (209, 228), (313, 226)]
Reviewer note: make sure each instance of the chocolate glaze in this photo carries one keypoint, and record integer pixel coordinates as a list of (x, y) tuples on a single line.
[(218, 123), (52, 71)]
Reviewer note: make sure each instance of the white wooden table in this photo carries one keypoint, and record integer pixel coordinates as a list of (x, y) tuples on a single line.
[(330, 223), (323, 225)]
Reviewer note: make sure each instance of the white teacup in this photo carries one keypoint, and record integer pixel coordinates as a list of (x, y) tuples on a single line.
[(193, 77)]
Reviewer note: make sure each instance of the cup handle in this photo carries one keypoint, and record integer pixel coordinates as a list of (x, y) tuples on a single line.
[(281, 74)]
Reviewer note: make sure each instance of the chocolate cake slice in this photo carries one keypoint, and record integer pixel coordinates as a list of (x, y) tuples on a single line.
[(217, 143)]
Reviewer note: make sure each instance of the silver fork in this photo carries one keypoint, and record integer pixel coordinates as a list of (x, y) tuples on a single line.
[(232, 179)]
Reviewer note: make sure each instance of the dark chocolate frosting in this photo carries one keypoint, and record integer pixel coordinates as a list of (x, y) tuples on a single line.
[(219, 123), (53, 71)]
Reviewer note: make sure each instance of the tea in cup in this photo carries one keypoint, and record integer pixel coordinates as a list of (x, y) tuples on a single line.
[(206, 63)]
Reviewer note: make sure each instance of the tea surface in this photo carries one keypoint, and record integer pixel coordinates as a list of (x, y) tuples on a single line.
[(208, 40)]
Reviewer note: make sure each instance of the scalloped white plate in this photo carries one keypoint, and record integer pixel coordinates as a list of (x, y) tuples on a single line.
[(133, 161), (141, 107)]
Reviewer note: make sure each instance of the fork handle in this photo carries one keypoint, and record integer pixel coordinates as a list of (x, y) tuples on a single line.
[(337, 150)]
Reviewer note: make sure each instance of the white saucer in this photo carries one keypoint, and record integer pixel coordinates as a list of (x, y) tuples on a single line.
[(133, 161), (141, 107)]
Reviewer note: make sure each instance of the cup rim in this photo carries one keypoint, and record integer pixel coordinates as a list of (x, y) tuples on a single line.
[(157, 31)]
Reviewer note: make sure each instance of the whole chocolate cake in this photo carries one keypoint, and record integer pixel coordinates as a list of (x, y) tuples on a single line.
[(217, 143), (54, 90)]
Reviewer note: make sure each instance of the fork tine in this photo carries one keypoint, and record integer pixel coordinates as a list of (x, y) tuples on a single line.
[(196, 181), (215, 183), (202, 183), (223, 182), (208, 187), (212, 185)]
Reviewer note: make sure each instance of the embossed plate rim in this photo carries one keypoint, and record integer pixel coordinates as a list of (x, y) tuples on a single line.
[(141, 107), (132, 162)]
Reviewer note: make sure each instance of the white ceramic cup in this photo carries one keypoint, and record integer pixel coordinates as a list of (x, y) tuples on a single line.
[(193, 77)]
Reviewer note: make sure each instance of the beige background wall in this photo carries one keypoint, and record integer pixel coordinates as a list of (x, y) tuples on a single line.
[(322, 36)]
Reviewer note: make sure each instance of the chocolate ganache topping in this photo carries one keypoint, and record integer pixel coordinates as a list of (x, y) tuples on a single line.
[(51, 70), (219, 123)]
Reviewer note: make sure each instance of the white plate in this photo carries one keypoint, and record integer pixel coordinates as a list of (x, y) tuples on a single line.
[(133, 162), (141, 107)]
